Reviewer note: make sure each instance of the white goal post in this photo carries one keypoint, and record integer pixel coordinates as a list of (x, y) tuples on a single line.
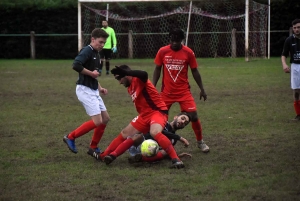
[(220, 34)]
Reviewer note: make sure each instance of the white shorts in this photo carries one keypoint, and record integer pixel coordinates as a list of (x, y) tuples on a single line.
[(90, 99), (295, 76)]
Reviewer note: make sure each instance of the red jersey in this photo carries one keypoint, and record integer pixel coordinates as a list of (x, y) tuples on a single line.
[(175, 68), (145, 97)]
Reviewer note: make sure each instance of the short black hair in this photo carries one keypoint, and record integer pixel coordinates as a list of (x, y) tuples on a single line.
[(124, 67), (296, 21), (99, 33), (176, 34), (185, 113)]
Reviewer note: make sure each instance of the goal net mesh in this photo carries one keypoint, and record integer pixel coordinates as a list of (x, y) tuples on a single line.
[(216, 28)]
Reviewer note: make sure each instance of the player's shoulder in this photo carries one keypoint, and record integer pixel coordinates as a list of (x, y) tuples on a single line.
[(187, 49)]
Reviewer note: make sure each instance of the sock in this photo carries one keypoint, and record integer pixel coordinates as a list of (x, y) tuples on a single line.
[(166, 145), (113, 145), (124, 146), (98, 133), (196, 125), (159, 156), (81, 130), (297, 107), (107, 66)]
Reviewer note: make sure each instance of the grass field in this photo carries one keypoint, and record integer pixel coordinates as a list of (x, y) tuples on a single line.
[(246, 122)]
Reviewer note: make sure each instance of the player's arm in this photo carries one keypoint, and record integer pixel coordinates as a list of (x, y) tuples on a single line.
[(101, 89), (114, 38), (156, 74), (142, 75), (176, 137), (77, 66), (198, 79), (114, 41), (284, 55)]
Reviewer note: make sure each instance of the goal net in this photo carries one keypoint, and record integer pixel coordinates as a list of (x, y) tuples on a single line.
[(213, 28)]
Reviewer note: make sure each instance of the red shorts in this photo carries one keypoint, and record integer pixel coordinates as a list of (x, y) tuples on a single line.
[(186, 101), (142, 123)]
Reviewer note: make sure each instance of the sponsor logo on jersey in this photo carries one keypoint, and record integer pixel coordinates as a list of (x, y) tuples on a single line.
[(133, 96), (174, 70)]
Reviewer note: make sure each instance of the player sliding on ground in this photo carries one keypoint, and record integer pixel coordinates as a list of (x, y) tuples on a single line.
[(152, 114), (179, 122)]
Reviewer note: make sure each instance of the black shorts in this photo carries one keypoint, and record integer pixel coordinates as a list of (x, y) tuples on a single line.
[(106, 54)]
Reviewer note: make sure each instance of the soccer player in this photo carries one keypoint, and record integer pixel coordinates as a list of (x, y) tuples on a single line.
[(179, 122), (86, 64), (292, 47), (109, 47), (175, 59), (152, 114)]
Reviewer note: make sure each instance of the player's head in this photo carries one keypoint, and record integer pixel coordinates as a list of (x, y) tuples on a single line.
[(126, 81), (98, 38), (176, 36), (296, 26), (105, 23), (181, 120)]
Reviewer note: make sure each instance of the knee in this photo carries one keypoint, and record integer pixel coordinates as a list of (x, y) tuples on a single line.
[(194, 116), (105, 120)]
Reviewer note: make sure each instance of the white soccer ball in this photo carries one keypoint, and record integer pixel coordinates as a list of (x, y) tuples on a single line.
[(149, 148)]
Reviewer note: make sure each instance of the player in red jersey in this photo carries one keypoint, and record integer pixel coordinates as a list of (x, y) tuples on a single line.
[(175, 60), (152, 115)]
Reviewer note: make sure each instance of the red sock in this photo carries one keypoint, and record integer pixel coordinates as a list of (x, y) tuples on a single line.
[(113, 145), (98, 133), (166, 145), (297, 107), (196, 125), (81, 130), (159, 156), (124, 146)]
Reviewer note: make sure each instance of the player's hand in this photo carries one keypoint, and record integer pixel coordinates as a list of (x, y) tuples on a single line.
[(103, 91), (95, 74), (184, 155), (118, 72), (203, 95), (184, 141), (286, 69), (114, 49)]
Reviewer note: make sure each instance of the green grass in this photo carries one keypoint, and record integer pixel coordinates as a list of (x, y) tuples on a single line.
[(246, 122)]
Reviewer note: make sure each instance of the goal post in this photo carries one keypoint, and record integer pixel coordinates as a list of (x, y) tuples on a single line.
[(213, 28)]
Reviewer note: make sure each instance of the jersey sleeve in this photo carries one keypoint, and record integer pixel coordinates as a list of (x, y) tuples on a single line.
[(158, 58), (114, 39), (193, 62)]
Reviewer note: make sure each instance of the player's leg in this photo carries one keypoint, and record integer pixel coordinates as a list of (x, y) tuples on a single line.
[(297, 103), (107, 62), (137, 125), (98, 133), (188, 105), (295, 85), (158, 121), (91, 104)]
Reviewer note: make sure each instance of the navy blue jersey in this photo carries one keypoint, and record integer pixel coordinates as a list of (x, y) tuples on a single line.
[(168, 132), (88, 58), (292, 46)]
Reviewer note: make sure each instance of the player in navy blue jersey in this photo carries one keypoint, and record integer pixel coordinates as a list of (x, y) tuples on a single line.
[(88, 90), (292, 47)]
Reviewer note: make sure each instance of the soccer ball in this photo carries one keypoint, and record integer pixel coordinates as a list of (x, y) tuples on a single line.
[(149, 148)]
